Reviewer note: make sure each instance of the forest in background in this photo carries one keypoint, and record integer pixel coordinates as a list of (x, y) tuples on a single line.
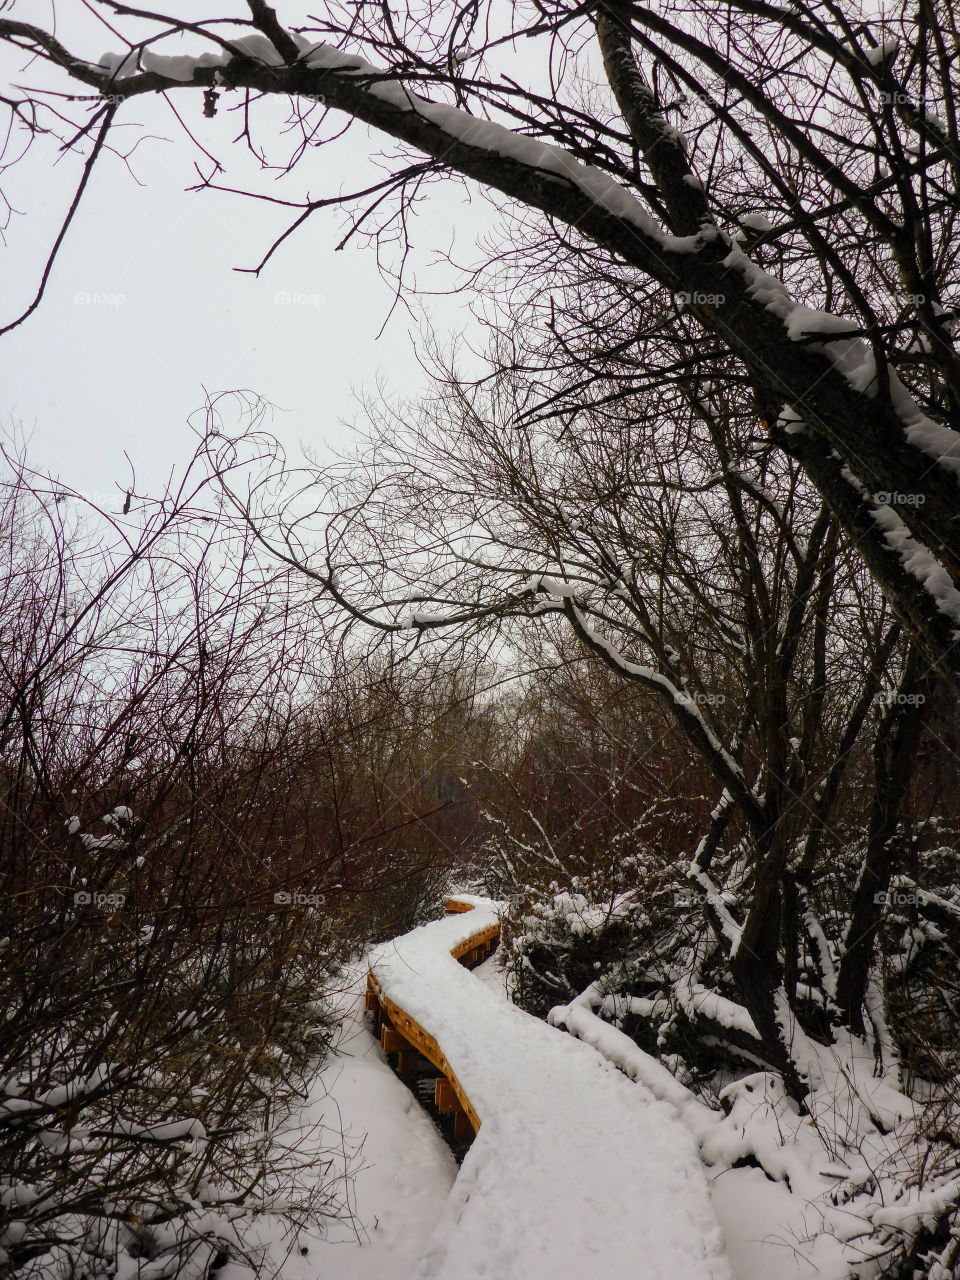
[(214, 804)]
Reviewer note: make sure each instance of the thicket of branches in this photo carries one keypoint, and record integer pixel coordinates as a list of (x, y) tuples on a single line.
[(205, 812), (778, 802), (776, 182), (715, 449)]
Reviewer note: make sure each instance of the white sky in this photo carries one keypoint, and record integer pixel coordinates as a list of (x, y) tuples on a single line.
[(167, 316)]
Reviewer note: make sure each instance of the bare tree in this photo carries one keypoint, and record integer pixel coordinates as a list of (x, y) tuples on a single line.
[(727, 596), (201, 818), (783, 176)]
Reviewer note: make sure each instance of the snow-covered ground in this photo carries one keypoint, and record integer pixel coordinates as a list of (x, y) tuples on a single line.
[(576, 1171), (402, 1168), (766, 1230), (580, 1169), (830, 1192)]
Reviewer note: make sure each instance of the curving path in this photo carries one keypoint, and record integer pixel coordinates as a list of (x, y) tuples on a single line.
[(576, 1173)]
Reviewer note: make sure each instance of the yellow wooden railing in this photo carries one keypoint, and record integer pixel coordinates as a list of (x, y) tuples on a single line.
[(403, 1035)]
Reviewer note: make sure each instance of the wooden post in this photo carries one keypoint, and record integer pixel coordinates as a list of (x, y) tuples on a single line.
[(462, 1128), (407, 1062), (392, 1041), (444, 1098)]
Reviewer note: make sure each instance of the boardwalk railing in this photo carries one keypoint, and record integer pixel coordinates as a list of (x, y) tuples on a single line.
[(401, 1034)]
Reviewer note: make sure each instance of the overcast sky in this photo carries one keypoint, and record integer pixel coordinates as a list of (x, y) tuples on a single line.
[(144, 310)]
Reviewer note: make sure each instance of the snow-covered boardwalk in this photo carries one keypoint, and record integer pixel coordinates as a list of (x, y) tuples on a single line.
[(575, 1170)]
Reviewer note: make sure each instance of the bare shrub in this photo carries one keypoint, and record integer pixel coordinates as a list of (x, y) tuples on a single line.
[(160, 1007)]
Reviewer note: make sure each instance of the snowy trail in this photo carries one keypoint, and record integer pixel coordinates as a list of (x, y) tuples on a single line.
[(362, 1131), (576, 1172)]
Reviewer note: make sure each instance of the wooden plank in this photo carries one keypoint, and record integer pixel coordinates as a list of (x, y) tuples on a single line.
[(433, 1053), (475, 940), (392, 1041), (399, 1033), (444, 1098)]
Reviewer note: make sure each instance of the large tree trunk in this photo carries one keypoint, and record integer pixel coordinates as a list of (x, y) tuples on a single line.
[(894, 757)]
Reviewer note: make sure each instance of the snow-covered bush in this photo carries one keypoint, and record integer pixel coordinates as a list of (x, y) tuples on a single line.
[(162, 994), (865, 1169), (570, 938), (633, 953)]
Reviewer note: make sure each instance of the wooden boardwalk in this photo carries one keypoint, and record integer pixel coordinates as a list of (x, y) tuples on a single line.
[(402, 1035), (572, 1172)]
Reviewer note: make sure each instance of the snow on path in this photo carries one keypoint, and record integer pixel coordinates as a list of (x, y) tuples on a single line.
[(576, 1171), (402, 1170), (768, 1231)]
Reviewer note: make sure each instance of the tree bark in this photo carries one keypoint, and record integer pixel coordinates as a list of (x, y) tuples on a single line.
[(894, 757)]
